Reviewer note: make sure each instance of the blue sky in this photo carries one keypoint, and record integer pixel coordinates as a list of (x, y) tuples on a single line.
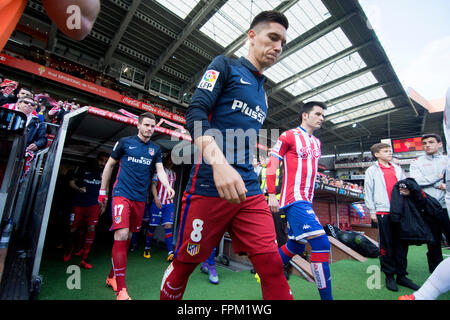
[(416, 37)]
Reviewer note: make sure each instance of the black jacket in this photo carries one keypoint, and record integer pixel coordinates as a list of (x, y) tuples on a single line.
[(36, 133), (407, 211)]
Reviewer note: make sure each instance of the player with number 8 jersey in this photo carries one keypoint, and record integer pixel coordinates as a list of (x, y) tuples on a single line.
[(224, 194), (136, 156)]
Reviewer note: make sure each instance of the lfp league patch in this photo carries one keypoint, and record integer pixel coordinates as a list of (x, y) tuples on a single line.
[(209, 80)]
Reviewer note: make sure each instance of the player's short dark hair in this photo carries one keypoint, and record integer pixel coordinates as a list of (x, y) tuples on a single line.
[(102, 154), (308, 106), (432, 135), (270, 16), (377, 147), (146, 115)]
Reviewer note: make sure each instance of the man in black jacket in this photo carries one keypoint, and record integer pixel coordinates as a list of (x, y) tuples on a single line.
[(36, 130)]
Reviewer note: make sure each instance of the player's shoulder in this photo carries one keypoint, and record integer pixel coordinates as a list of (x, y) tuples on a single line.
[(221, 62), (154, 145), (289, 134), (126, 139)]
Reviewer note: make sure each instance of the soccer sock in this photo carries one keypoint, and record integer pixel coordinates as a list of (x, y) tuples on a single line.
[(169, 239), (274, 285), (175, 280), (149, 236), (81, 237), (119, 261), (290, 249), (320, 251), (437, 283), (211, 260), (90, 235)]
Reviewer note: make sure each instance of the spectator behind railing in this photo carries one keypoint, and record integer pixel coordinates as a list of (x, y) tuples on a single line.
[(354, 160), (338, 183)]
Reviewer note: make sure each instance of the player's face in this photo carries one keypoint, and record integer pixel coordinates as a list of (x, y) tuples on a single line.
[(146, 127), (314, 118), (431, 146), (101, 162), (384, 154), (266, 44)]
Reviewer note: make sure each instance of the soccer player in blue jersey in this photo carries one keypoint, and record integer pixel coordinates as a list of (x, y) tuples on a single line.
[(85, 210), (223, 193), (136, 155)]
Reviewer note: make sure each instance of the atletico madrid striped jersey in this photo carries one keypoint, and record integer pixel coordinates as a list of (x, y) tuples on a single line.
[(163, 195), (300, 153)]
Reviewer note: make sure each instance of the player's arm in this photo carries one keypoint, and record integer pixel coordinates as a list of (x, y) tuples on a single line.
[(162, 177), (73, 182), (271, 177), (229, 183), (106, 178), (278, 151), (73, 185), (116, 154), (155, 193)]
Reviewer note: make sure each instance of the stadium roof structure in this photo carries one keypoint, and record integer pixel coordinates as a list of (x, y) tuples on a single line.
[(332, 54)]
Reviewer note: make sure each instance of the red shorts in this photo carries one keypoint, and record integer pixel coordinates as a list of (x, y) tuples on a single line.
[(84, 215), (204, 220), (127, 213)]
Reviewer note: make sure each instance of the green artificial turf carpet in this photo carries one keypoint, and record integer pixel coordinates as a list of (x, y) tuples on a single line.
[(351, 280)]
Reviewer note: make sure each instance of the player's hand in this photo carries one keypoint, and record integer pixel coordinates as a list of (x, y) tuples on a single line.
[(158, 203), (171, 192), (229, 183), (102, 207), (82, 190), (274, 205), (102, 197)]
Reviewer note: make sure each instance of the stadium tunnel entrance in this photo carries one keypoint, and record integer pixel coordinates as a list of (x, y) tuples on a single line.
[(40, 209)]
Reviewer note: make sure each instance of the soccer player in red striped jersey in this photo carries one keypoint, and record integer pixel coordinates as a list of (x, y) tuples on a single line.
[(160, 212), (300, 152)]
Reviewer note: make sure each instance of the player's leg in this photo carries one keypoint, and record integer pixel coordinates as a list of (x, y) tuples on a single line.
[(202, 224), (121, 210), (209, 267), (167, 222), (437, 283), (74, 222), (292, 247), (304, 225), (92, 213), (252, 231), (168, 236), (154, 214), (320, 267)]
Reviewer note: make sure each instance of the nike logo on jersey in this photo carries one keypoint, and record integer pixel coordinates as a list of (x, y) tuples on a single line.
[(244, 82), (131, 148)]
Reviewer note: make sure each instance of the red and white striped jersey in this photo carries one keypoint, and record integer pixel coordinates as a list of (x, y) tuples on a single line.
[(300, 153), (163, 195)]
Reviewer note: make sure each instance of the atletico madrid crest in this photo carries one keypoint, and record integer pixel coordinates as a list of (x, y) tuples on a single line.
[(193, 248), (151, 151)]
